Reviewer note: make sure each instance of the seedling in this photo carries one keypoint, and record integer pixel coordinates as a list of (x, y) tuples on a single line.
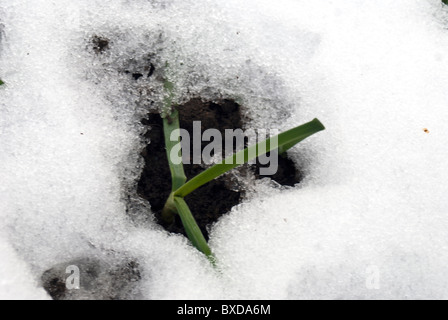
[(1, 82), (176, 204)]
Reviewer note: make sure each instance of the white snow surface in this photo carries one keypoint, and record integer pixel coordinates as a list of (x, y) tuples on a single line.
[(373, 205)]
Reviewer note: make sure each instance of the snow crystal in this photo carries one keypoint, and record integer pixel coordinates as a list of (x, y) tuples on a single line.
[(368, 221)]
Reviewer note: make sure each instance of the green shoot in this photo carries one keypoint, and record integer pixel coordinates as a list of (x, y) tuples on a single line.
[(286, 141), (176, 204), (1, 82), (178, 178), (170, 125)]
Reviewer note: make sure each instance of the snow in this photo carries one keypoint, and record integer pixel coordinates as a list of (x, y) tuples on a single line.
[(372, 208), (17, 281)]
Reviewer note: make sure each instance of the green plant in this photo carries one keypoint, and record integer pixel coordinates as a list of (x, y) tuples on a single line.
[(176, 204), (1, 82), (445, 2)]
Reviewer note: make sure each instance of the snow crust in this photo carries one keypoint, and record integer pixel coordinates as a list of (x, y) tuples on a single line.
[(370, 220)]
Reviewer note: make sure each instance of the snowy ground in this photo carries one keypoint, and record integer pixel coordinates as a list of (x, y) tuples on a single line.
[(370, 219)]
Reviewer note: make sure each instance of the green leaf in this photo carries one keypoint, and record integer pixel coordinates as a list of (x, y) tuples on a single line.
[(170, 125), (1, 82), (191, 227), (286, 140), (172, 140), (445, 2)]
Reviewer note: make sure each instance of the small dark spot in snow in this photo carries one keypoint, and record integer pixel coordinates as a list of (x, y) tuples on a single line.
[(151, 68), (137, 75), (426, 130), (100, 44)]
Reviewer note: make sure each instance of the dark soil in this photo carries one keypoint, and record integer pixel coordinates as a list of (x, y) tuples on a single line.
[(210, 201), (287, 173), (214, 199)]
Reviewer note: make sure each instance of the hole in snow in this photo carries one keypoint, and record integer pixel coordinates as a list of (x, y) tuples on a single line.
[(217, 197)]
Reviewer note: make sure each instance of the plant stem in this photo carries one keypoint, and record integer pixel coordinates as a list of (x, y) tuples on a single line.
[(172, 139), (169, 211), (177, 205), (170, 124), (191, 227)]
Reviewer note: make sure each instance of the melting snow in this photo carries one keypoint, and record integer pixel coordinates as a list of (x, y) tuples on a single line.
[(372, 208)]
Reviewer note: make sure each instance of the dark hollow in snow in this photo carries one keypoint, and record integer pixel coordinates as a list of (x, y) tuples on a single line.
[(98, 280), (286, 175), (112, 280), (214, 199)]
